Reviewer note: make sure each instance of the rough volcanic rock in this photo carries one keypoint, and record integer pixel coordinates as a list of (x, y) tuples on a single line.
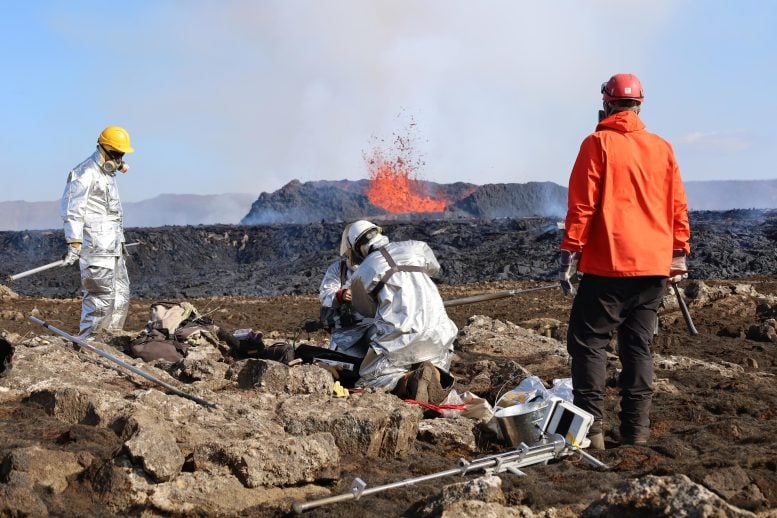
[(515, 200), (373, 423), (485, 489), (308, 202), (673, 496), (267, 260)]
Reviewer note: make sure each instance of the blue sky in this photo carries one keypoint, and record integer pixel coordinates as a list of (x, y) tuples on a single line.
[(243, 96)]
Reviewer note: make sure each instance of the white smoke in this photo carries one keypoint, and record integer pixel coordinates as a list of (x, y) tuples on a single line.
[(241, 96)]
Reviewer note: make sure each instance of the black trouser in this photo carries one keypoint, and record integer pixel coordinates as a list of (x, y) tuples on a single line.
[(602, 306)]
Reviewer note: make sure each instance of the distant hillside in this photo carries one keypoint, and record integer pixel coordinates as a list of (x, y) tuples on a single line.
[(165, 209), (732, 194), (345, 200)]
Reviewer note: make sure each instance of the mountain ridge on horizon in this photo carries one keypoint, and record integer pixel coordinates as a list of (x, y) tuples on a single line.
[(495, 201)]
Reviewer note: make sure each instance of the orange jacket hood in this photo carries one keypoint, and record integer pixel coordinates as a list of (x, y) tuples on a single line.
[(624, 122)]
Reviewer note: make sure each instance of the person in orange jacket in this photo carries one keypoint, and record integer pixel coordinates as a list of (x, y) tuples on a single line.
[(627, 231)]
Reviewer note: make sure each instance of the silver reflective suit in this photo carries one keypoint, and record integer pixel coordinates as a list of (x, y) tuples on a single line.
[(411, 325), (92, 214), (346, 336)]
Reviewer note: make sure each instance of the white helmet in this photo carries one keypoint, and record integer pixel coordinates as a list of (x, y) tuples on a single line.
[(345, 249), (362, 236)]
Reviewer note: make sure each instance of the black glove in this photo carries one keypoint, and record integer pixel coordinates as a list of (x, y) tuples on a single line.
[(311, 326), (567, 271)]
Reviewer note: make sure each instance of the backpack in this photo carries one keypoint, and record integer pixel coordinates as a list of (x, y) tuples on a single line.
[(170, 328), (168, 316)]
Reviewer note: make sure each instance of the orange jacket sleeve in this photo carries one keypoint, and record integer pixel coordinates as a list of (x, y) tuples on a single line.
[(584, 194), (681, 227)]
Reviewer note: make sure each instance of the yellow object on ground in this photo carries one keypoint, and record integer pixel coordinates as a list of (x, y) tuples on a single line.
[(339, 390)]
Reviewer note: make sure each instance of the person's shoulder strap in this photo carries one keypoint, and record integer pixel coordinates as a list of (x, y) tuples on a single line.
[(393, 268)]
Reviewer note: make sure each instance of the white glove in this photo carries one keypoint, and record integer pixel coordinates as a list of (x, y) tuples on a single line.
[(73, 254), (678, 271), (567, 271)]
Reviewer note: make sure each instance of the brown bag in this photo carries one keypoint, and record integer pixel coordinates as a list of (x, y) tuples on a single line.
[(155, 346)]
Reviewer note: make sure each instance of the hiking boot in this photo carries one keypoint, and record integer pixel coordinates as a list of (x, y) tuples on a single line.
[(636, 440), (597, 441), (424, 385)]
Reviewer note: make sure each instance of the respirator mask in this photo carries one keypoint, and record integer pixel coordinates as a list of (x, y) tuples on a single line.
[(114, 161)]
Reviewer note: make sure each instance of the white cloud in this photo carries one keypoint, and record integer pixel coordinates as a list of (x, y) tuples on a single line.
[(729, 142)]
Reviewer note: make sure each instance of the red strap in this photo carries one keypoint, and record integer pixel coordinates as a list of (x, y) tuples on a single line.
[(437, 408), (339, 295)]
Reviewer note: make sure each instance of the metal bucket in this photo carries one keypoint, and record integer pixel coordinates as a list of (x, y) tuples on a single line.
[(521, 423)]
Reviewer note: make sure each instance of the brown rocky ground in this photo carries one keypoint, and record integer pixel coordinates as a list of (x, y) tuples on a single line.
[(713, 418)]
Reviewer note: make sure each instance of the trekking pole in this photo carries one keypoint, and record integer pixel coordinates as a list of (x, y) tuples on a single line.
[(126, 365), (496, 295), (684, 308), (45, 267)]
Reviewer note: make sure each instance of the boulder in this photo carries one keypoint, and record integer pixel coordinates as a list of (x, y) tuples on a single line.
[(284, 461), (277, 378), (374, 424), (486, 489), (47, 468), (478, 509), (670, 496), (153, 446), (735, 485), (674, 362), (448, 434)]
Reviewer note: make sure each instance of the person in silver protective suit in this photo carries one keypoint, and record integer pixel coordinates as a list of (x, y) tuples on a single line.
[(92, 215), (411, 340), (348, 327)]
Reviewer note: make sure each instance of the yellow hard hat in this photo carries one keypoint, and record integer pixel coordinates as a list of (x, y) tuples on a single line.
[(117, 138)]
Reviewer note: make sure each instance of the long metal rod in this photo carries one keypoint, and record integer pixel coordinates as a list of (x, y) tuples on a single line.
[(508, 461), (684, 308), (126, 365), (496, 295), (36, 270), (45, 267)]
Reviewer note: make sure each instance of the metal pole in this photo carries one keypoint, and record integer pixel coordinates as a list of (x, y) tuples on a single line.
[(508, 461), (12, 278), (684, 308), (496, 295), (126, 365), (45, 267)]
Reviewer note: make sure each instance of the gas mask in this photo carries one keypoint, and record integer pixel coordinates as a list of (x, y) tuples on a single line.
[(114, 161)]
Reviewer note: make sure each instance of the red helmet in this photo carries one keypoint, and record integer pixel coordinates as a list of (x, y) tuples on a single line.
[(623, 86)]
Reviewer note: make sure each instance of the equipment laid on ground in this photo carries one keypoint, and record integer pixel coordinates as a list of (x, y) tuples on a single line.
[(127, 366), (45, 267), (496, 295), (684, 308), (568, 421), (552, 447), (559, 435)]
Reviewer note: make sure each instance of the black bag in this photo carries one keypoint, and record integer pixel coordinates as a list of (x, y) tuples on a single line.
[(350, 365), (6, 357)]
